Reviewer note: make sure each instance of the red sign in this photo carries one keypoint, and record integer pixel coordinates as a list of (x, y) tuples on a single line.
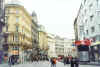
[(83, 42), (77, 42), (87, 42)]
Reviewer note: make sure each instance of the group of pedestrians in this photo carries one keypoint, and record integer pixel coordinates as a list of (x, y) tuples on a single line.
[(74, 62), (38, 58), (12, 60)]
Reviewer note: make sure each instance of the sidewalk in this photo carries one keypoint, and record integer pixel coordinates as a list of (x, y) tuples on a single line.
[(91, 63), (94, 63), (3, 65)]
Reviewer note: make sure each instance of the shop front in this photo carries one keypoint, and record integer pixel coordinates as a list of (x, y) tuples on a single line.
[(95, 52)]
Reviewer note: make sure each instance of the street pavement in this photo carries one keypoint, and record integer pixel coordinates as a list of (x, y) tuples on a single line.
[(43, 64)]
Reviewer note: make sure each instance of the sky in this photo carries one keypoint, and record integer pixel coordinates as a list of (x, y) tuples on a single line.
[(56, 15)]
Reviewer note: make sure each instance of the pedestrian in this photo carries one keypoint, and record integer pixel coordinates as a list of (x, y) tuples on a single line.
[(76, 62), (53, 62), (64, 61), (72, 62), (10, 61), (67, 60)]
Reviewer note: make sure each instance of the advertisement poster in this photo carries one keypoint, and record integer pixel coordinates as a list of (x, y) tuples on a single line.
[(84, 56)]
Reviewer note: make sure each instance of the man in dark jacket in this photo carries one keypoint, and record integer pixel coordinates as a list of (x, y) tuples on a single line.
[(11, 60), (76, 62), (72, 62)]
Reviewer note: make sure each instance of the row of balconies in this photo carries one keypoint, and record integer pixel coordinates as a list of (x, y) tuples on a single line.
[(21, 39)]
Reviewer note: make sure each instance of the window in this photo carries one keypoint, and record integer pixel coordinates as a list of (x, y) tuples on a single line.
[(17, 11), (84, 1), (98, 13), (94, 39), (98, 3), (6, 19), (87, 32), (13, 37), (16, 28), (16, 37), (99, 37), (99, 26), (6, 28), (15, 48), (91, 17), (17, 19), (86, 21), (92, 29), (90, 6)]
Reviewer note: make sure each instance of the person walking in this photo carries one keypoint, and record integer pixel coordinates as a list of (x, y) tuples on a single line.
[(10, 61), (76, 62), (64, 61), (72, 62), (53, 62), (67, 60)]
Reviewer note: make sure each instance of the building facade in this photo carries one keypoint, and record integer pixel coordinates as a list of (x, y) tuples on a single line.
[(17, 31), (43, 41), (51, 45), (69, 48), (88, 24), (35, 37), (2, 23), (59, 46), (76, 29)]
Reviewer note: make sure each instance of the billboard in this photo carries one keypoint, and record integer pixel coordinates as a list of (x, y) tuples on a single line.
[(84, 56)]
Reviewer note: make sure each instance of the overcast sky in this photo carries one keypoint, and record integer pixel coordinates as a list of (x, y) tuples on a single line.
[(56, 15)]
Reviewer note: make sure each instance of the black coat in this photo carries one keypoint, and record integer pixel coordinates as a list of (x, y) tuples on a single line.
[(72, 63)]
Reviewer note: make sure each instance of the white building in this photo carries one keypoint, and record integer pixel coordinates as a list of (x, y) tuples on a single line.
[(59, 46), (88, 20), (51, 45), (69, 48)]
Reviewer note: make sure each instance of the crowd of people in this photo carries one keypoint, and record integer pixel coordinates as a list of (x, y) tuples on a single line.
[(13, 60), (74, 62), (38, 58)]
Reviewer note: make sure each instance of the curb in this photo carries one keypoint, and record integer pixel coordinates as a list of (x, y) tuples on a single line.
[(91, 64)]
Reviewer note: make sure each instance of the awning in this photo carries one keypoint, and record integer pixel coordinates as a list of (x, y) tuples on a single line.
[(96, 43)]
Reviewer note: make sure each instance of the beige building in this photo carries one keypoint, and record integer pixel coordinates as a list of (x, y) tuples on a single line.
[(17, 31), (43, 41)]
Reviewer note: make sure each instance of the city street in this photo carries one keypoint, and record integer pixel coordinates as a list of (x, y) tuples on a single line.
[(35, 31), (44, 64)]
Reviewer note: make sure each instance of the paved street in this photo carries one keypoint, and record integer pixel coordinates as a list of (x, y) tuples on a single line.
[(44, 64)]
